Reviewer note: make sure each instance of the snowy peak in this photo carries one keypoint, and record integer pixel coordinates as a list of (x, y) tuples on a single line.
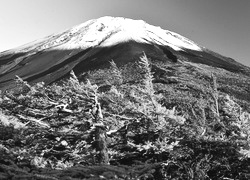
[(109, 31), (139, 31)]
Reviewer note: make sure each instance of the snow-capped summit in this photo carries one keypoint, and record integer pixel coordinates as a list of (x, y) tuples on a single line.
[(93, 44), (109, 31)]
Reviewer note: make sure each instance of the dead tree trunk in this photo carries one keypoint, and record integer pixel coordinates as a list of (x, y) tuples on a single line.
[(100, 142), (101, 145)]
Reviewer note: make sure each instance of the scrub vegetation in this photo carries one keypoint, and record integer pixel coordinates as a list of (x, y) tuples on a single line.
[(128, 122)]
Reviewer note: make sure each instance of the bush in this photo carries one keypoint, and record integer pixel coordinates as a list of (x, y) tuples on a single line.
[(77, 130)]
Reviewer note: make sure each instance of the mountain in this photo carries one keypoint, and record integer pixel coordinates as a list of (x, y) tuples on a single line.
[(93, 44), (140, 103)]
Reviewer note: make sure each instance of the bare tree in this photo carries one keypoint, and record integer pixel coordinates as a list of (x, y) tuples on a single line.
[(100, 135)]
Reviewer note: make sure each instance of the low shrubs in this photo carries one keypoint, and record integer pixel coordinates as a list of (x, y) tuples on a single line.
[(127, 130)]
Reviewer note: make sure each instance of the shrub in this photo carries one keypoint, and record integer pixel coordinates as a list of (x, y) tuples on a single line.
[(129, 131)]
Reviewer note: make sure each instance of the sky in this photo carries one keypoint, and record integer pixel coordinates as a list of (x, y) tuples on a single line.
[(219, 25)]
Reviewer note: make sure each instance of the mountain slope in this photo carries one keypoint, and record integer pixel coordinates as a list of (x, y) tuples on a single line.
[(94, 43), (164, 108)]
